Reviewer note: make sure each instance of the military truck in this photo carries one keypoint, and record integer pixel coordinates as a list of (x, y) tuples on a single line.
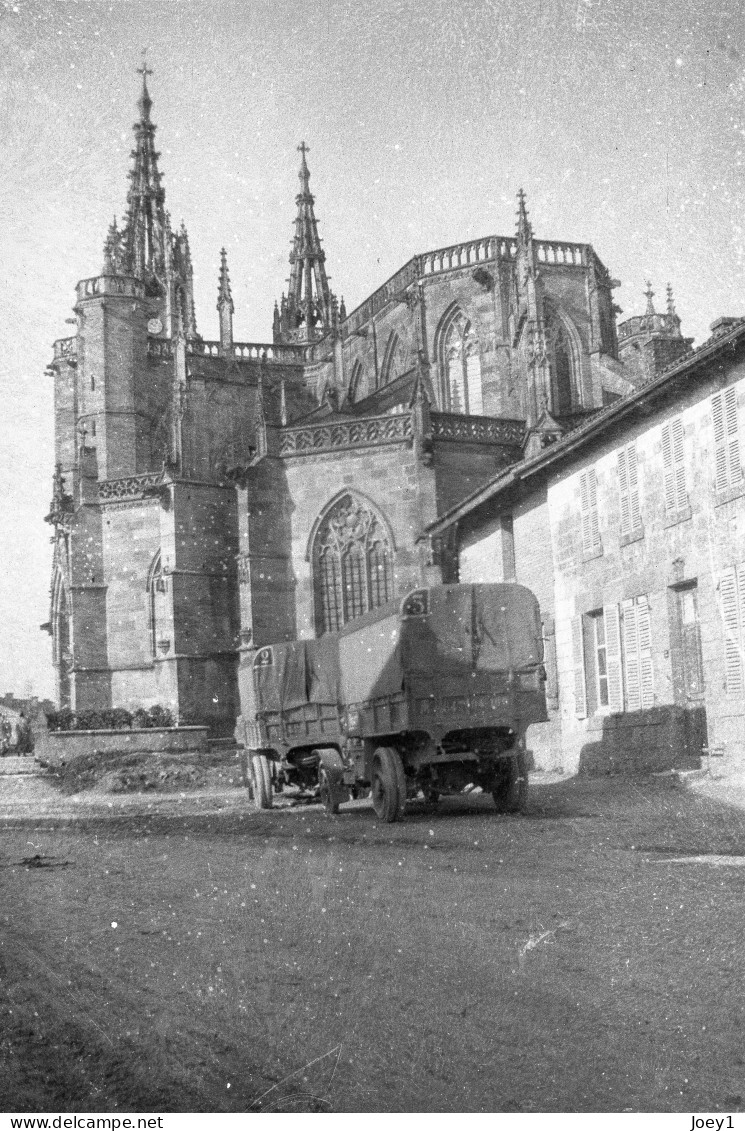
[(430, 695)]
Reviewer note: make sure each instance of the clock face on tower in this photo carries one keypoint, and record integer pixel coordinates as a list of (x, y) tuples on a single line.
[(154, 326)]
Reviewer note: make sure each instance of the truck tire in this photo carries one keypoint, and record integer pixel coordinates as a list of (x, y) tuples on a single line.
[(329, 800), (261, 780), (509, 788), (388, 784), (330, 779)]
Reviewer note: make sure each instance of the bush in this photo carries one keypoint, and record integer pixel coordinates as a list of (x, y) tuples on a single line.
[(114, 718)]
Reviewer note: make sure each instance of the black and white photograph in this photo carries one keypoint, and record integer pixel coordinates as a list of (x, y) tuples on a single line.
[(372, 675)]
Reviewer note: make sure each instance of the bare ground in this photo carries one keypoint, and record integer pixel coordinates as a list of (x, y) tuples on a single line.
[(459, 961)]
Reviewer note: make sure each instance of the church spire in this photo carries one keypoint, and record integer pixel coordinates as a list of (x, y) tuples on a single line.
[(144, 235), (225, 305), (524, 229), (649, 295), (306, 313)]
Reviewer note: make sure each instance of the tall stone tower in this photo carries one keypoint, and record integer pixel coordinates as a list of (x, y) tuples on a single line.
[(649, 342)]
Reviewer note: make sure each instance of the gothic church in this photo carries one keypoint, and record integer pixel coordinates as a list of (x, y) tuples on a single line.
[(214, 496)]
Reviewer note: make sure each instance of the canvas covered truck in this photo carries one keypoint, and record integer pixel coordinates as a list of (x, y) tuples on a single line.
[(432, 694)]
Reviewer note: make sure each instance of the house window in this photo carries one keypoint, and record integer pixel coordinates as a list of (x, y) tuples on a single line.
[(461, 368), (673, 462), (597, 659), (588, 490), (732, 610), (352, 564), (725, 416), (628, 482)]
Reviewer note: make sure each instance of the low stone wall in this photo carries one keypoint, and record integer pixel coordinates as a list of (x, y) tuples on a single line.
[(64, 744)]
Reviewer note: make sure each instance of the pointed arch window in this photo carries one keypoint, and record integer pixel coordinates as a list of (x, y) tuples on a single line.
[(61, 642), (157, 588), (392, 360), (352, 564), (355, 385), (460, 368), (561, 360)]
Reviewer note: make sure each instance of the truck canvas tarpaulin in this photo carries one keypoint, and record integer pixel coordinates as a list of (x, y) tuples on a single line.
[(469, 634)]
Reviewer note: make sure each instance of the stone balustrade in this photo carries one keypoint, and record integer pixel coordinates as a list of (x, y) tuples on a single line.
[(110, 285), (476, 429), (250, 351), (65, 347), (468, 254), (368, 431), (561, 254), (390, 290), (128, 487)]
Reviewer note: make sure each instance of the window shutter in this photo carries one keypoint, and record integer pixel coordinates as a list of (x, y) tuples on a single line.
[(644, 635), (631, 657), (578, 659), (633, 476), (623, 487), (668, 468), (728, 601), (549, 662), (678, 446), (726, 438), (733, 435), (613, 657), (588, 487), (628, 484)]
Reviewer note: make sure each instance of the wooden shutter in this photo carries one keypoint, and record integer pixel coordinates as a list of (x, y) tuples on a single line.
[(631, 657), (628, 482), (728, 602), (578, 659), (549, 663), (679, 467), (668, 467), (623, 487), (673, 462), (644, 636), (613, 657), (726, 438), (588, 487)]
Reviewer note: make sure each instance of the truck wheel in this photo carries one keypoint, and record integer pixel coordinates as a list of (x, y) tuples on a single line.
[(261, 780), (507, 786), (329, 800), (388, 784)]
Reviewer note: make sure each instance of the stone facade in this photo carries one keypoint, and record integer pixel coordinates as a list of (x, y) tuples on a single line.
[(630, 532), (212, 497)]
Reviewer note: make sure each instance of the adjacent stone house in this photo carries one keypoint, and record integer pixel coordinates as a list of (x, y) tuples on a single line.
[(631, 531)]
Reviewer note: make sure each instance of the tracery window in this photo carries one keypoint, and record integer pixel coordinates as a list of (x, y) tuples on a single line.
[(352, 564), (561, 364), (461, 368)]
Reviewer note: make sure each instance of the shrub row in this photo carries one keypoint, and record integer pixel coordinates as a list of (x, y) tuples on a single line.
[(116, 718)]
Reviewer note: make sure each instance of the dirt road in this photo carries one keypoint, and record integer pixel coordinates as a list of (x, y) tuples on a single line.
[(460, 961)]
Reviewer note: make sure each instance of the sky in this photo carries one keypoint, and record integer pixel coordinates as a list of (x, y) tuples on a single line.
[(624, 122)]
